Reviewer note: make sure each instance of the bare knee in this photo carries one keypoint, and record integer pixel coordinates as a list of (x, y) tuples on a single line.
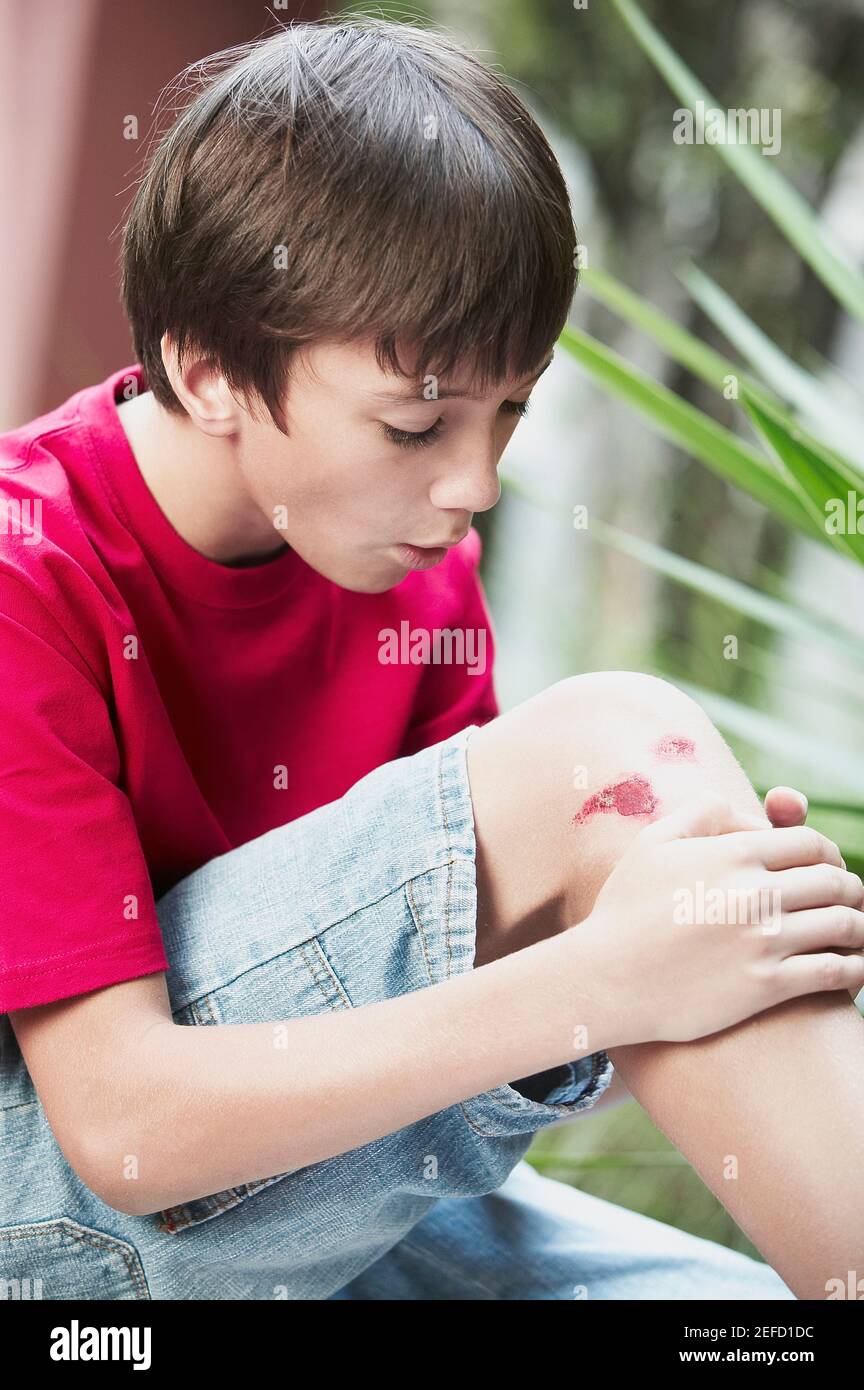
[(620, 695), (562, 782), (585, 730), (611, 719)]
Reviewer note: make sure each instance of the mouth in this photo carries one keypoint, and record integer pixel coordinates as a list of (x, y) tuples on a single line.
[(420, 557)]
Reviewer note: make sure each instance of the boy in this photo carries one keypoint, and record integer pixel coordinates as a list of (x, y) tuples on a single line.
[(288, 902)]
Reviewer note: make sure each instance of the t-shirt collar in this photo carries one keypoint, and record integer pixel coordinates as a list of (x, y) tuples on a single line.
[(185, 568)]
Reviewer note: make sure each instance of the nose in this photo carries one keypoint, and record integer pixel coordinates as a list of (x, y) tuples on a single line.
[(467, 484)]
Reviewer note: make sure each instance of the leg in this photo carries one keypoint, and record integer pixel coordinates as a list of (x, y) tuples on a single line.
[(782, 1142), (539, 1239)]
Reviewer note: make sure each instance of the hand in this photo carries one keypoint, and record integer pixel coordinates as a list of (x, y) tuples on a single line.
[(683, 970)]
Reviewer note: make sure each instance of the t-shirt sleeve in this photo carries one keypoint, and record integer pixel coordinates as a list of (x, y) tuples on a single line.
[(454, 694), (77, 910)]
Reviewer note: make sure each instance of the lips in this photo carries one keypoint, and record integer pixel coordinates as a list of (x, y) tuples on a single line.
[(422, 557), (437, 545), (417, 557)]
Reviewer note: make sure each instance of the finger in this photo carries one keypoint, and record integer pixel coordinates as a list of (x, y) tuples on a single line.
[(815, 974), (818, 885), (789, 847), (785, 806), (704, 815), (840, 929)]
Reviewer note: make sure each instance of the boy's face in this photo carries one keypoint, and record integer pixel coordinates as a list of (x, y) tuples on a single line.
[(345, 494)]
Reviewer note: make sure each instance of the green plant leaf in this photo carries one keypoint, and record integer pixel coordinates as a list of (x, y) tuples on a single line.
[(680, 344), (775, 195), (814, 468), (694, 431), (808, 395), (779, 615), (714, 369)]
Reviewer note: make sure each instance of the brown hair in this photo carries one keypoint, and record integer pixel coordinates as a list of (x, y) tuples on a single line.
[(350, 178)]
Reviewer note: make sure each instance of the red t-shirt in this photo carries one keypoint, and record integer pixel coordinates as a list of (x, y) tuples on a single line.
[(160, 708)]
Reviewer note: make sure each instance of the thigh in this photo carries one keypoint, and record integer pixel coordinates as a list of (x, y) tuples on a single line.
[(535, 1238)]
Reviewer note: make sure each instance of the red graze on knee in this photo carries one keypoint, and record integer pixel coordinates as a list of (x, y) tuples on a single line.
[(631, 797), (675, 748)]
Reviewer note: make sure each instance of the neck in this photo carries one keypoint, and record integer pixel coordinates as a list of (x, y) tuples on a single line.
[(196, 480)]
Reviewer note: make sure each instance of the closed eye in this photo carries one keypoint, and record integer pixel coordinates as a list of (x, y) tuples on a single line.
[(410, 439)]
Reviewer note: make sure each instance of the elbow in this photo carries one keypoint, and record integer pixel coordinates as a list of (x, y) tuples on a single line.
[(129, 1198), (113, 1176)]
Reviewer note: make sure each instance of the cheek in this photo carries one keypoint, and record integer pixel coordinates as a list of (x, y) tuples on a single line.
[(340, 488)]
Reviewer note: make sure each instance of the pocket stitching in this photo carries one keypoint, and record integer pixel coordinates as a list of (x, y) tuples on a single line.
[(315, 943), (178, 1218), (421, 930), (85, 1235)]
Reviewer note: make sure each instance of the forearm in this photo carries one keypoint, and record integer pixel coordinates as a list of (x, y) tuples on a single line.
[(771, 1114), (207, 1108)]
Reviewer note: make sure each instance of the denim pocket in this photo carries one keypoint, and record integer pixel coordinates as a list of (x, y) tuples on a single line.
[(62, 1259)]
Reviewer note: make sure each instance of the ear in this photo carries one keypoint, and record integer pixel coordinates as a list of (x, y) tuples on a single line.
[(202, 390)]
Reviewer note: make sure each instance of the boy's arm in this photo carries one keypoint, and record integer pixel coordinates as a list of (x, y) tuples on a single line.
[(78, 905), (204, 1109)]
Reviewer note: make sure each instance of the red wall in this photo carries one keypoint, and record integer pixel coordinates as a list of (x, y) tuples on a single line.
[(69, 76)]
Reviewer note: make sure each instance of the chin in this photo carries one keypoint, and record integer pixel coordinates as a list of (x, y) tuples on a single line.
[(361, 573), (372, 585), (358, 581)]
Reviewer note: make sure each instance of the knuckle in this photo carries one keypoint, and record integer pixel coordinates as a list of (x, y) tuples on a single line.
[(763, 946), (838, 884), (762, 972), (813, 844), (830, 882), (830, 972), (844, 927), (713, 806), (750, 855)]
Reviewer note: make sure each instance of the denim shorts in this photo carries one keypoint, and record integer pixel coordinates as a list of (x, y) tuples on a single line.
[(369, 897)]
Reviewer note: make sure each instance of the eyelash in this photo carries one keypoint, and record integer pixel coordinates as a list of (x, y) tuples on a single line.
[(408, 439)]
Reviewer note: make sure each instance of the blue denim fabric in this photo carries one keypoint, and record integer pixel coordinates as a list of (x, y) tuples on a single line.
[(366, 898), (536, 1238)]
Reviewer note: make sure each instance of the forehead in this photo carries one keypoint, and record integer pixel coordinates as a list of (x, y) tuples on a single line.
[(352, 368)]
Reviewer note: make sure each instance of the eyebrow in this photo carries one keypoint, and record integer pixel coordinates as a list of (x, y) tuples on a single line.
[(412, 392)]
